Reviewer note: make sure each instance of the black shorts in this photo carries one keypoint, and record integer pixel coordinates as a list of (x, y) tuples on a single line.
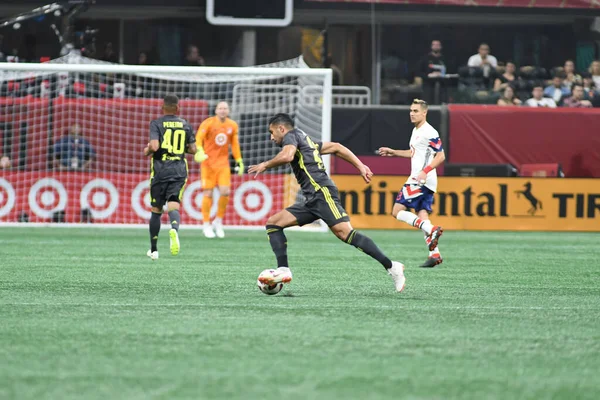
[(165, 191), (325, 205)]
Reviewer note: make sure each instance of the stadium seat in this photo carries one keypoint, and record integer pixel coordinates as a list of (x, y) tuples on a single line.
[(542, 170), (494, 170)]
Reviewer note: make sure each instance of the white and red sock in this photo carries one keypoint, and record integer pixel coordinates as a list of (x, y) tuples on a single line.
[(411, 219)]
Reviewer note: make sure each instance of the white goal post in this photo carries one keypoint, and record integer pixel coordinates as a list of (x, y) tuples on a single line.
[(72, 132)]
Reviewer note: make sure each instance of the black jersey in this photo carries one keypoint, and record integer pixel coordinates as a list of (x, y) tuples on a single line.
[(307, 163), (174, 135)]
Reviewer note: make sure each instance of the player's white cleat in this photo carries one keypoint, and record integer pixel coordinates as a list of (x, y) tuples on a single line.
[(208, 231), (281, 274), (153, 255), (218, 227), (397, 274), (174, 241)]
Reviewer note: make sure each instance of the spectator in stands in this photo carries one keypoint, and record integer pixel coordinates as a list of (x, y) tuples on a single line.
[(538, 99), (73, 152), (484, 60), (142, 83), (508, 98), (556, 91), (508, 77), (143, 58), (338, 76), (431, 67), (13, 56), (576, 100), (589, 88), (571, 77), (595, 71), (193, 57), (2, 53), (109, 54), (4, 162)]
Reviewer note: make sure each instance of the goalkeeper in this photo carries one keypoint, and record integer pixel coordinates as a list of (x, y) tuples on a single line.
[(213, 139)]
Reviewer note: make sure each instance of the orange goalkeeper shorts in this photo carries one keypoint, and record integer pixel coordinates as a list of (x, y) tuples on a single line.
[(212, 177)]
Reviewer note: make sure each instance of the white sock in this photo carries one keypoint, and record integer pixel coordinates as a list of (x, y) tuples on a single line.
[(206, 224), (217, 221), (435, 251), (413, 220)]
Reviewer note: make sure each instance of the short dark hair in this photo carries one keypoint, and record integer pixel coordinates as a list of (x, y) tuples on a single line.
[(422, 103), (282, 119), (170, 100), (575, 85)]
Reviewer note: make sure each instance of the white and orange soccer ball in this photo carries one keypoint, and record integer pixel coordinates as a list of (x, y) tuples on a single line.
[(266, 289)]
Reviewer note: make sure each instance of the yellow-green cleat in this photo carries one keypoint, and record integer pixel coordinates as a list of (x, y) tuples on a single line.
[(174, 239)]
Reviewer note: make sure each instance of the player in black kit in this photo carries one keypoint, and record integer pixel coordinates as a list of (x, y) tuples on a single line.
[(322, 200), (170, 138)]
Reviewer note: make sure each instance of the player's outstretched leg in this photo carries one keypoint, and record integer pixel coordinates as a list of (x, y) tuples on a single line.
[(434, 258), (434, 232), (175, 219), (222, 207), (275, 225), (207, 202), (344, 231), (154, 230)]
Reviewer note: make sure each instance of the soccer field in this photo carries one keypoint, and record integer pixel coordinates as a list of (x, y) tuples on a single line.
[(85, 314)]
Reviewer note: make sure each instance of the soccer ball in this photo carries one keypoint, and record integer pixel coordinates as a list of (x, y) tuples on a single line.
[(266, 289)]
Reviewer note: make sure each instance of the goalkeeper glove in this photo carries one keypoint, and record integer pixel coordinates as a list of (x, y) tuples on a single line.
[(200, 155), (240, 166)]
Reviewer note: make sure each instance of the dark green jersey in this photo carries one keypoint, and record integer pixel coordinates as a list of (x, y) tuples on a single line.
[(307, 163), (174, 135)]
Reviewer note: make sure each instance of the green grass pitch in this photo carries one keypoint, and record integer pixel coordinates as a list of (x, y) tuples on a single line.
[(84, 314)]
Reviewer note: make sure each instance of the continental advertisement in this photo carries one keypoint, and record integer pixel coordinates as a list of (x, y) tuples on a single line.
[(466, 203)]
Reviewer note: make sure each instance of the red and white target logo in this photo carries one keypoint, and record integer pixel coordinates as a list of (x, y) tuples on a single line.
[(101, 197), (253, 200), (7, 197), (140, 200), (221, 139), (47, 196), (192, 201)]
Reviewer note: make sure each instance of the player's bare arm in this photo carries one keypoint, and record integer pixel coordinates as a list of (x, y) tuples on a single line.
[(346, 154), (151, 148), (438, 159), (192, 149), (285, 156), (388, 152)]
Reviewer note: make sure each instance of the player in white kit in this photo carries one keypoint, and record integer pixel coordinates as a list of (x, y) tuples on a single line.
[(426, 154)]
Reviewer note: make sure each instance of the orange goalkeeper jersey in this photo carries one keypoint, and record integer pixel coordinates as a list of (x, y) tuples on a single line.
[(216, 137)]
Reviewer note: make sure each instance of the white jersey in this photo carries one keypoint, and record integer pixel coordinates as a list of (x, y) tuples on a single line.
[(424, 143)]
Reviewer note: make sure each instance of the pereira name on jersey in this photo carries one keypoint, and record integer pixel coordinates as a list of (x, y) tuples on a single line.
[(174, 134)]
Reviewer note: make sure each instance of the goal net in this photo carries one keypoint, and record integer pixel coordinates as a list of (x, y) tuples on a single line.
[(72, 134)]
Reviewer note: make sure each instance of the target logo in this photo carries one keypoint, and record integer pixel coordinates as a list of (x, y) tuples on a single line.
[(221, 139), (253, 200), (140, 200), (7, 197), (101, 197), (192, 201), (47, 196)]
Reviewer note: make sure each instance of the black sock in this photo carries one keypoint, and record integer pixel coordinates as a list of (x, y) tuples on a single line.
[(368, 246), (175, 219), (278, 243), (154, 229)]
